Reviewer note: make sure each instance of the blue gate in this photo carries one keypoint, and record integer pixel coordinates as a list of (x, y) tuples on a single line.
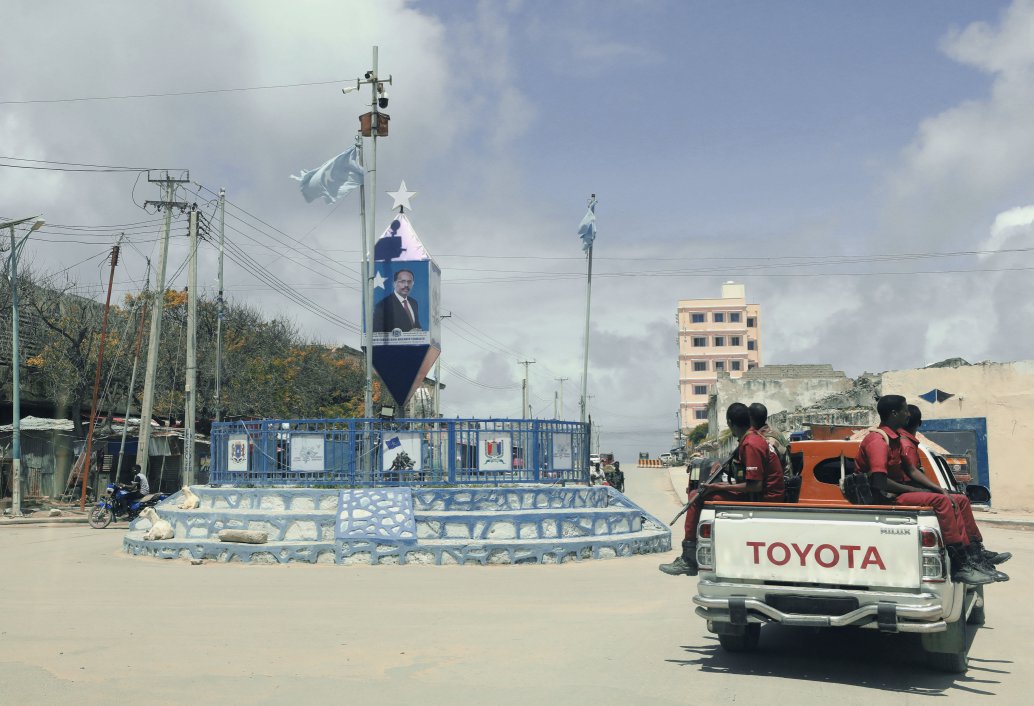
[(375, 452)]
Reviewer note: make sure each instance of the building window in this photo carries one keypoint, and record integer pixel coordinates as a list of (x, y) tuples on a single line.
[(751, 366), (734, 317), (696, 318), (750, 345), (699, 341), (736, 365), (719, 317), (699, 366), (719, 365), (699, 389), (719, 340), (700, 414), (735, 341), (752, 322)]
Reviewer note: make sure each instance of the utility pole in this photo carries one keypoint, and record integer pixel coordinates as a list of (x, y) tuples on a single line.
[(221, 310), (560, 412), (438, 374), (97, 379), (169, 183), (189, 398), (525, 397), (16, 390), (136, 360)]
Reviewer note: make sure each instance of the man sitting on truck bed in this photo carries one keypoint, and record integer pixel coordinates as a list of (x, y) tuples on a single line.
[(985, 558), (762, 481), (879, 456)]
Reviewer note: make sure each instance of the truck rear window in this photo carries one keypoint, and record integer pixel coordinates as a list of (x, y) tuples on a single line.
[(828, 471)]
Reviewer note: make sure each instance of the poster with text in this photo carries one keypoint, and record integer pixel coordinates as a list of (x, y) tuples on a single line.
[(307, 452), (400, 451), (562, 452), (494, 453), (237, 453)]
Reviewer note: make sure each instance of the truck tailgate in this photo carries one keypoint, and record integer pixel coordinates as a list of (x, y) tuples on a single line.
[(843, 547)]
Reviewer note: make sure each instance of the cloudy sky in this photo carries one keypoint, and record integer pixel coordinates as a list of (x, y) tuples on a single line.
[(866, 169)]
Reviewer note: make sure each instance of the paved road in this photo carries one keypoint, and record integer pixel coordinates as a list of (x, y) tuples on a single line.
[(83, 623)]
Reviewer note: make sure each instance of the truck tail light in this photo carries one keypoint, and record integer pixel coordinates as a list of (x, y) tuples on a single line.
[(932, 555), (705, 549), (705, 557), (930, 538), (933, 568)]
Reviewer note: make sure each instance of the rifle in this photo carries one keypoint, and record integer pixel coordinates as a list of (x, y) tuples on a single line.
[(696, 494)]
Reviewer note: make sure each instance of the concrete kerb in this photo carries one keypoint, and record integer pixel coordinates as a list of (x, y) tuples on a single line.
[(76, 520)]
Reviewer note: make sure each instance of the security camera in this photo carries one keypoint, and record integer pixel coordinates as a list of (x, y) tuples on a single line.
[(369, 75), (383, 101)]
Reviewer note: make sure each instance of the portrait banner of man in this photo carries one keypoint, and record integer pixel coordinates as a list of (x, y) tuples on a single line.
[(401, 313)]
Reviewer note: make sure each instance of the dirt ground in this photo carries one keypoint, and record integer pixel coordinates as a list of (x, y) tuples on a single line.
[(83, 623)]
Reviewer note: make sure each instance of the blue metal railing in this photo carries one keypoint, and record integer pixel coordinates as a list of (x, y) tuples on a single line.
[(366, 452)]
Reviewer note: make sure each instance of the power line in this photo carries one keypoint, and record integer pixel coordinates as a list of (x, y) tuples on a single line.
[(173, 94)]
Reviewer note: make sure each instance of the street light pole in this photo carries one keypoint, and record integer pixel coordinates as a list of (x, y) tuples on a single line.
[(16, 398)]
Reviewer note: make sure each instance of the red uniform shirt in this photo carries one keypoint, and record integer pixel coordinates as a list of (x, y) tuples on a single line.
[(761, 463), (877, 456), (910, 450)]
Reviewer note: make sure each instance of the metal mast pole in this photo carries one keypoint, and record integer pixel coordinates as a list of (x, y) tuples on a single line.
[(220, 311), (368, 284), (365, 332), (97, 379), (588, 301), (189, 421)]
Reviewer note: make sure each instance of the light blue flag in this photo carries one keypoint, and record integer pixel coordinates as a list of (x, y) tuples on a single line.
[(334, 179), (587, 228)]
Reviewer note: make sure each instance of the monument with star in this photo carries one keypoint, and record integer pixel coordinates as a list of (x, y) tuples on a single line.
[(405, 334)]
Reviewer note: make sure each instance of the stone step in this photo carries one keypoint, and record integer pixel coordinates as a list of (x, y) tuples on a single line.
[(319, 525), (432, 551), (528, 524), (456, 499)]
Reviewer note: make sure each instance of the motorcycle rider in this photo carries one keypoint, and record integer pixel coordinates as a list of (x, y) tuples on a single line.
[(139, 485)]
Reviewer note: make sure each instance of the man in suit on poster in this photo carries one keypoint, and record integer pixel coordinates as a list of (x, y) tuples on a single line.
[(398, 310)]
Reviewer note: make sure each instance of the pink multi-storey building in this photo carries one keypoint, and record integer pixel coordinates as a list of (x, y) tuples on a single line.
[(715, 335)]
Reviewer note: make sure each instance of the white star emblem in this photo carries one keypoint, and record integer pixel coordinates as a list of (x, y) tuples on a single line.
[(378, 280), (402, 197)]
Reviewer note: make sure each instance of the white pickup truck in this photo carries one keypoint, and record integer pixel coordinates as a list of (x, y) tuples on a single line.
[(821, 562)]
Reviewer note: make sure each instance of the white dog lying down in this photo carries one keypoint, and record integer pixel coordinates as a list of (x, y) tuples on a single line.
[(190, 501), (160, 529)]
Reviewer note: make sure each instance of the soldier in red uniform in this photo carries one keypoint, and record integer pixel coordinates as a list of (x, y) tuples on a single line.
[(879, 456), (758, 476), (986, 558)]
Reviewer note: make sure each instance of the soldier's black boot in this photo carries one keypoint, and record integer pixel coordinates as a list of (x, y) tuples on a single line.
[(963, 569), (978, 557), (684, 565), (993, 557)]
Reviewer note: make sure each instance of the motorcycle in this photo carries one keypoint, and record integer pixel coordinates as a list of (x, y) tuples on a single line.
[(120, 501)]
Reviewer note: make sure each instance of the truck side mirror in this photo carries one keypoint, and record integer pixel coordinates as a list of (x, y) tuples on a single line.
[(978, 494)]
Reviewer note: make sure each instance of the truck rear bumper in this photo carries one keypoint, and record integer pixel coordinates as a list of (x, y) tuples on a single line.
[(884, 615)]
